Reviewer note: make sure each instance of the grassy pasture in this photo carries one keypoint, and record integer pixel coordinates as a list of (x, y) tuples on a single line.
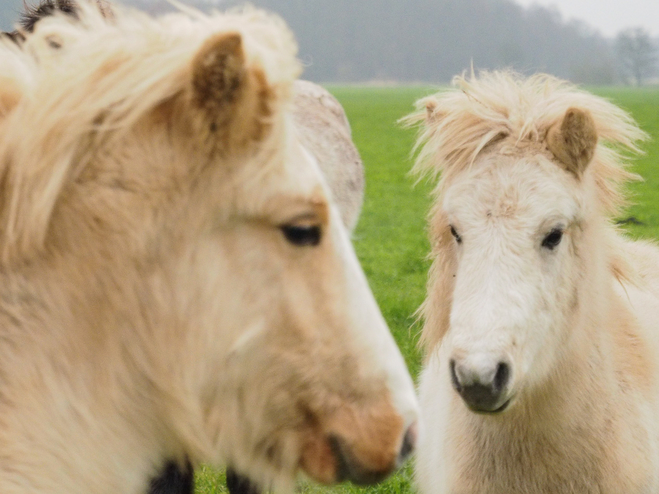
[(391, 237)]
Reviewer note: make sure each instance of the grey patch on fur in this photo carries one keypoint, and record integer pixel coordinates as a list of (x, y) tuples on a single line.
[(325, 131)]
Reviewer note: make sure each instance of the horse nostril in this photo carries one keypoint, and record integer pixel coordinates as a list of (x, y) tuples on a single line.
[(502, 376), (454, 377), (409, 443)]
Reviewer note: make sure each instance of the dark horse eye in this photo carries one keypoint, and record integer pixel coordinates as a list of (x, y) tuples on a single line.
[(302, 236), (552, 239), (457, 237)]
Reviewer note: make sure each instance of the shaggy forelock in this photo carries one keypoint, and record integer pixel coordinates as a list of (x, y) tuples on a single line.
[(81, 80), (457, 124), (503, 112)]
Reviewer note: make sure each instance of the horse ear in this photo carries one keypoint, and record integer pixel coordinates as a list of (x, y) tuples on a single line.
[(233, 97), (573, 140)]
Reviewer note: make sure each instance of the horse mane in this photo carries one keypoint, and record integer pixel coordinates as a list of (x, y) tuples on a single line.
[(56, 105), (505, 112), (458, 124)]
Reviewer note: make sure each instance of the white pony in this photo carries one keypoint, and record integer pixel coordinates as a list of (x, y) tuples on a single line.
[(541, 321), (174, 282)]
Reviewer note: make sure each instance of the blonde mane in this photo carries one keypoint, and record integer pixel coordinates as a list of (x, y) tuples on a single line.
[(506, 112), (459, 123), (110, 73)]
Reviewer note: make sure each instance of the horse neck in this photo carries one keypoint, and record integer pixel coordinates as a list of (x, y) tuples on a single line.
[(131, 343)]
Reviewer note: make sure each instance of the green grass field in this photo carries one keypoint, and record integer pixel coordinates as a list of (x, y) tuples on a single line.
[(391, 237)]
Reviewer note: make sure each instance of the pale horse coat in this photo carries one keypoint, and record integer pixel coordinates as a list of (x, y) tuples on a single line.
[(541, 319)]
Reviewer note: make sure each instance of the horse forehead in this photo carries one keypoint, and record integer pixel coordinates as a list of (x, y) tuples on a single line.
[(304, 176), (507, 187)]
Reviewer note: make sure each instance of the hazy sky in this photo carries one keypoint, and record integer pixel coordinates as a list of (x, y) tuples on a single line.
[(608, 16)]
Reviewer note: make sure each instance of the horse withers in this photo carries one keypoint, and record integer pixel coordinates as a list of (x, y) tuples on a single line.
[(541, 319), (175, 281)]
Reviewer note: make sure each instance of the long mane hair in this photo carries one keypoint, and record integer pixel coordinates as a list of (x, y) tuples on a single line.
[(459, 123), (109, 74)]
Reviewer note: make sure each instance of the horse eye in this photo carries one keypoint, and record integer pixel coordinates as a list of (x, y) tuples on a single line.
[(302, 236), (457, 237), (552, 239)]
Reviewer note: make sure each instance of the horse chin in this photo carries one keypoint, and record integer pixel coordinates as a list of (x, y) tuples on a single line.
[(495, 411), (330, 460)]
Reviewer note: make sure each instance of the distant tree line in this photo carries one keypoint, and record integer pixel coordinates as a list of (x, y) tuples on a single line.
[(432, 40), (637, 55)]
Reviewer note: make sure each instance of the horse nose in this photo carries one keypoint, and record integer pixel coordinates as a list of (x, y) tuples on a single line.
[(352, 469), (483, 388)]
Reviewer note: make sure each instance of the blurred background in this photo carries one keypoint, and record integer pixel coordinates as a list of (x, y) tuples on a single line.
[(594, 42)]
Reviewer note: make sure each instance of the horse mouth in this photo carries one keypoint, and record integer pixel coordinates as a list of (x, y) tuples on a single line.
[(353, 455), (496, 411), (334, 461)]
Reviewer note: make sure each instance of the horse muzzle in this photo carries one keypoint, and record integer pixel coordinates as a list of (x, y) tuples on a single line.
[(484, 390), (363, 456)]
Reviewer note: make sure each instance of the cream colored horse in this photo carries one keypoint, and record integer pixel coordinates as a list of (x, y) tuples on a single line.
[(175, 282), (541, 321)]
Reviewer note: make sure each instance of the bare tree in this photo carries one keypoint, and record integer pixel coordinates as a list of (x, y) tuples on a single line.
[(637, 53)]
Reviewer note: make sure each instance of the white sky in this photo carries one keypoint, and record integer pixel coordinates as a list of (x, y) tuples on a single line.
[(608, 16)]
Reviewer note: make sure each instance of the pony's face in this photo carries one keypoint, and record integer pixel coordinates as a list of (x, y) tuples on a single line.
[(209, 203), (309, 376), (314, 377), (513, 226), (517, 229), (511, 233)]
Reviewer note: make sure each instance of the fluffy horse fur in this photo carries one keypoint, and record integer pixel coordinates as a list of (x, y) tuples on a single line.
[(519, 157), (146, 172), (107, 70), (515, 114), (320, 119), (324, 131)]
